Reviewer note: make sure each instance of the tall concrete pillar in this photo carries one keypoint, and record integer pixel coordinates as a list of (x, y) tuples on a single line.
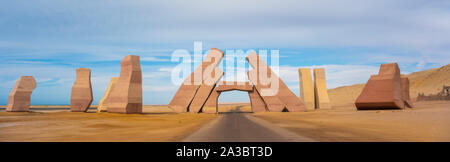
[(81, 97), (306, 88), (320, 89), (126, 97)]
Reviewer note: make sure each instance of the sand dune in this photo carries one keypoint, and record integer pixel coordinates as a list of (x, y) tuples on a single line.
[(428, 82)]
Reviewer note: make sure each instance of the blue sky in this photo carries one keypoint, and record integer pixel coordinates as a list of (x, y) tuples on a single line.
[(49, 39)]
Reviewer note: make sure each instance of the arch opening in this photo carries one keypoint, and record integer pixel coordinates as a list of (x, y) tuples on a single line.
[(234, 101)]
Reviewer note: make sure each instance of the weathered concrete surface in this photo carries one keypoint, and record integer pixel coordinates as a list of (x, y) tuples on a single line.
[(185, 94), (20, 96), (81, 97), (203, 93), (126, 97), (272, 89), (256, 101), (382, 91), (229, 86), (273, 103), (306, 88), (405, 92), (211, 105), (320, 89), (103, 104)]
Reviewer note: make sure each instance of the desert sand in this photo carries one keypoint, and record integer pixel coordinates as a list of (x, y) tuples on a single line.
[(157, 123), (429, 121)]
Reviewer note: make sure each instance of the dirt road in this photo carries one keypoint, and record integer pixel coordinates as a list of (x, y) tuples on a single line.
[(241, 127)]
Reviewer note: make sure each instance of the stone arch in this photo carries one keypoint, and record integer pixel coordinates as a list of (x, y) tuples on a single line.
[(195, 94)]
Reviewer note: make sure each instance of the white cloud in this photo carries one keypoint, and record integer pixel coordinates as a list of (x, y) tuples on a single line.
[(154, 59), (158, 88), (336, 75)]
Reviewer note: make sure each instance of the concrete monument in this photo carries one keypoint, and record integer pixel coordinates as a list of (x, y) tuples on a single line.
[(81, 97), (306, 88), (20, 96), (320, 89), (200, 94), (126, 97), (383, 91)]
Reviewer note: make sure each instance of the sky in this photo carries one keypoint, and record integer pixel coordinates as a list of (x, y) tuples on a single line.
[(50, 39)]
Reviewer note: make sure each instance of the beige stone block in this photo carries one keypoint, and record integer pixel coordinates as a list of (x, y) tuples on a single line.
[(20, 96), (306, 88), (126, 97), (81, 96), (320, 89)]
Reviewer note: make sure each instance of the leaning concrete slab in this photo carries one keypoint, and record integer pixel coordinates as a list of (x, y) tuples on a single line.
[(81, 97), (256, 101), (126, 97), (103, 104), (203, 93), (382, 91), (20, 96), (405, 92), (185, 94), (306, 88), (320, 89), (274, 104), (211, 105), (272, 89)]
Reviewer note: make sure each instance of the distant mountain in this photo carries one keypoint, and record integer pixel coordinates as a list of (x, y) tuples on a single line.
[(427, 81)]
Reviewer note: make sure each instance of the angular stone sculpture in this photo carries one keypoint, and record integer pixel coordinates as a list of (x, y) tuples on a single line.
[(203, 93), (320, 89), (382, 91), (186, 92), (405, 92), (20, 96), (103, 104), (81, 97), (280, 98), (200, 94), (126, 97), (306, 88)]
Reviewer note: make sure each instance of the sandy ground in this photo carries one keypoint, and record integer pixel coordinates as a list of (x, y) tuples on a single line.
[(158, 123), (429, 121)]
